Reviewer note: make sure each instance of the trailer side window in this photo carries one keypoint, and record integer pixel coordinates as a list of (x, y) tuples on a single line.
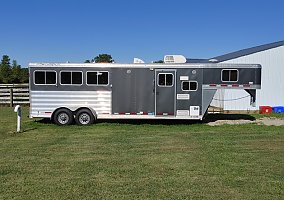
[(97, 78), (71, 78), (230, 75), (165, 79), (45, 77), (189, 86), (77, 78), (102, 78)]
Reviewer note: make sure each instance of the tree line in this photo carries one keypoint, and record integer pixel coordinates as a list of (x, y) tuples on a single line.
[(12, 73)]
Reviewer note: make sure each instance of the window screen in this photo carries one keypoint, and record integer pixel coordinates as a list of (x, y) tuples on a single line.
[(97, 78), (165, 80), (65, 77), (39, 77), (71, 78), (189, 85), (77, 78), (162, 79), (50, 77), (234, 75), (230, 75), (92, 78), (45, 77), (102, 78), (169, 79)]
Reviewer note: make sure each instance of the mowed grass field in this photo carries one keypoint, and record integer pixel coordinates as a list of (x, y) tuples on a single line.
[(139, 160)]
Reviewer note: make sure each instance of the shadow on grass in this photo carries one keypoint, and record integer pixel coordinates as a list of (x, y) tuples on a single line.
[(216, 117), (207, 119), (27, 130), (44, 121)]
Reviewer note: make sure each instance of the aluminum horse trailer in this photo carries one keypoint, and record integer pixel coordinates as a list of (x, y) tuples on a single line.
[(84, 92)]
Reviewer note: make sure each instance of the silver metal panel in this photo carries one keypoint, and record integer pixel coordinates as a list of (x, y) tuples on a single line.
[(43, 103), (207, 97), (133, 90)]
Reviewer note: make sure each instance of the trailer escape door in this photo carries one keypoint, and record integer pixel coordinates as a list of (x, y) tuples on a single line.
[(165, 88)]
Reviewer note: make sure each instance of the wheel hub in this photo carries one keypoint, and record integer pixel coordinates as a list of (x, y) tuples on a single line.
[(63, 118), (84, 118)]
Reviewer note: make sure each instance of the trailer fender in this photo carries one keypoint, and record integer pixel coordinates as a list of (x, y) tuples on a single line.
[(94, 112), (52, 115), (91, 109)]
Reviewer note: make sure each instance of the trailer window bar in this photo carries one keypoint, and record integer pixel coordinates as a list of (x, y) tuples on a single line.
[(230, 75), (97, 78), (45, 77), (189, 85), (165, 79), (71, 78)]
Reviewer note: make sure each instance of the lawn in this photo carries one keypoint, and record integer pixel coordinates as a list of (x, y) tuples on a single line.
[(139, 160)]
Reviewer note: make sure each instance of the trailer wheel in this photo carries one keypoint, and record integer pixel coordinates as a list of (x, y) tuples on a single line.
[(63, 117), (84, 117)]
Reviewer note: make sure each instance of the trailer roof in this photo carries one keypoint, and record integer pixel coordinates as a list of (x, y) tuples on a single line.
[(150, 66)]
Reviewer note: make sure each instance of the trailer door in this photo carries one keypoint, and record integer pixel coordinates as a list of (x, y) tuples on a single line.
[(165, 88)]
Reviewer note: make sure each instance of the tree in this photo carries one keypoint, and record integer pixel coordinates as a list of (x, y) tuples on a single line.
[(24, 75), (16, 73), (159, 61), (5, 69), (101, 58)]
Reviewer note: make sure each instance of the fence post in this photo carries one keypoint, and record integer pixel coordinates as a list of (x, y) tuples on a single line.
[(11, 97)]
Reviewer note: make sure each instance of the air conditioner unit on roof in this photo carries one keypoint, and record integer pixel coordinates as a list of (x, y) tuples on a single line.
[(174, 59)]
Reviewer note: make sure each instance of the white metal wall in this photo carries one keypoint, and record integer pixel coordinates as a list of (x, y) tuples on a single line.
[(272, 86)]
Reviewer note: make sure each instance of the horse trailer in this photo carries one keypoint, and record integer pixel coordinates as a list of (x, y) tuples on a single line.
[(84, 92)]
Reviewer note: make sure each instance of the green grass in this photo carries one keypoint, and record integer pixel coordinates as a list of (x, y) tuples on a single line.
[(139, 161)]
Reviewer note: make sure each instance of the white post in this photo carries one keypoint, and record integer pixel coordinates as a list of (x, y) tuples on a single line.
[(18, 110)]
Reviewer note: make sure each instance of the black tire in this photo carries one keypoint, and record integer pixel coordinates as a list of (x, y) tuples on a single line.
[(63, 117), (84, 117)]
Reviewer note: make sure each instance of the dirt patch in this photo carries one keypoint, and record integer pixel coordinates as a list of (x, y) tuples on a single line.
[(271, 121), (262, 121)]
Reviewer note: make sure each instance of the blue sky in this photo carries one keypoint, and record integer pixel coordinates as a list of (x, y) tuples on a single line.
[(76, 30)]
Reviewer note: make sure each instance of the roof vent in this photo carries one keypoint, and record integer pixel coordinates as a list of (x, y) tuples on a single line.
[(213, 60), (174, 59), (137, 61)]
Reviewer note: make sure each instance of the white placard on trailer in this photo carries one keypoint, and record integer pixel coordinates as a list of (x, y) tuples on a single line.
[(183, 96), (183, 78)]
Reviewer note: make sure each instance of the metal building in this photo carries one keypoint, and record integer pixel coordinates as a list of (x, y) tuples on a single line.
[(271, 58)]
